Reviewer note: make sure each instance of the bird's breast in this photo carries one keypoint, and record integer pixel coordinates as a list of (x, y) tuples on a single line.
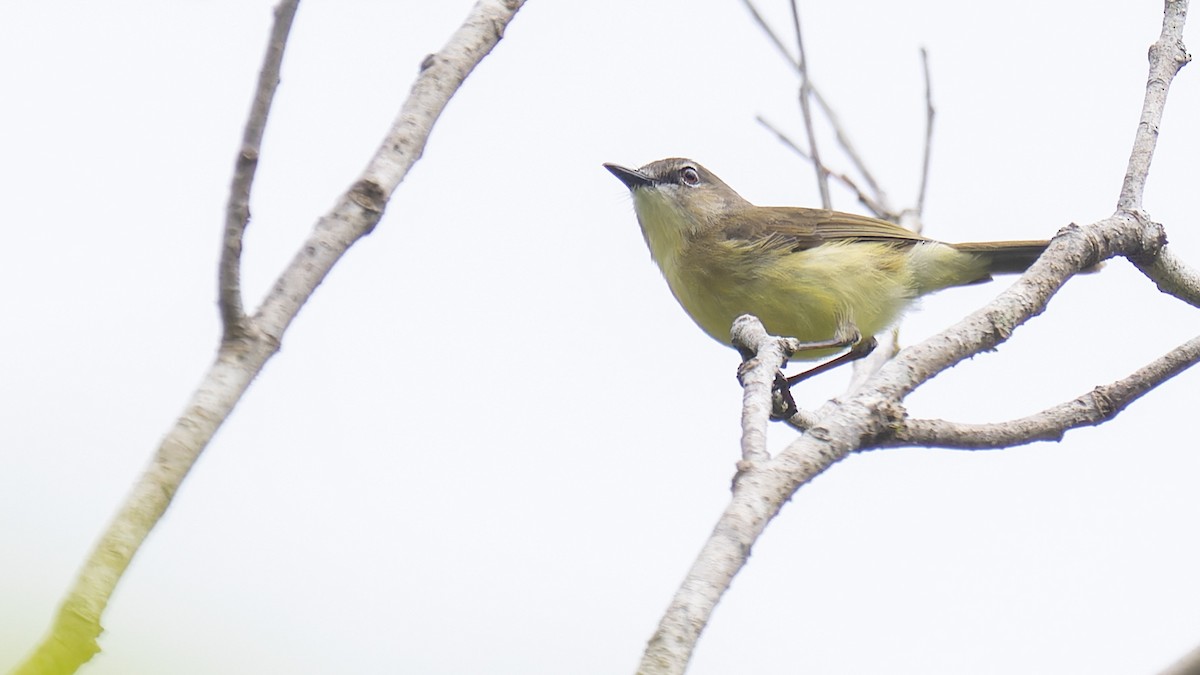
[(802, 294)]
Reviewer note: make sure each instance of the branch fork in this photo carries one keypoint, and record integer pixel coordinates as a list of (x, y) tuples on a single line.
[(872, 414)]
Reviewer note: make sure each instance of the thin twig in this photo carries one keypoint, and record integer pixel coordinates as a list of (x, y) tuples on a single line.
[(929, 113), (843, 139), (806, 109), (762, 23), (1093, 408), (1167, 57), (863, 197), (237, 211)]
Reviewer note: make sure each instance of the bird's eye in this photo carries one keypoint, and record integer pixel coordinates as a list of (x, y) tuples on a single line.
[(689, 176)]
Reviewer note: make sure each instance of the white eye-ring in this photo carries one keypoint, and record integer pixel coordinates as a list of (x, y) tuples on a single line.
[(689, 176)]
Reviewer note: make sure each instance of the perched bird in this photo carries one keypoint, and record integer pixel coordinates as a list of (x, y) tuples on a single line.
[(812, 274)]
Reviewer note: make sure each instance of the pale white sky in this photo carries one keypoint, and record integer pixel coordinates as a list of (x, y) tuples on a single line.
[(492, 443)]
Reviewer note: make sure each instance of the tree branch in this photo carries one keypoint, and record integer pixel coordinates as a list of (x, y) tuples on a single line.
[(766, 28), (843, 139), (873, 410), (863, 198), (1127, 232), (1093, 408), (806, 110), (929, 115), (237, 211), (1172, 275), (72, 640), (1167, 57), (763, 356), (1188, 664), (360, 208), (758, 494)]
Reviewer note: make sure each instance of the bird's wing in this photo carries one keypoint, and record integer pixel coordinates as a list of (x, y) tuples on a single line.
[(799, 229)]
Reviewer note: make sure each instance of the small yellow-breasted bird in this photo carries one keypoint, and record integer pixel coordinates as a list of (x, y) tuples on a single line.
[(810, 274)]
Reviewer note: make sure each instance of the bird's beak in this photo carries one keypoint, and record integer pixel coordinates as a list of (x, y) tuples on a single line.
[(632, 178)]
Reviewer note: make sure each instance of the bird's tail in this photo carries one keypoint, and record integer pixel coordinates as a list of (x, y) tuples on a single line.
[(1005, 257)]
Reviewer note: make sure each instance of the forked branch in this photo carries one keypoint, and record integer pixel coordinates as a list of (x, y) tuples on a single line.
[(1093, 408), (237, 210), (874, 409), (72, 639)]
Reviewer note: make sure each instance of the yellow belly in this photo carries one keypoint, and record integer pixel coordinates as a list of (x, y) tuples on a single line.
[(806, 295)]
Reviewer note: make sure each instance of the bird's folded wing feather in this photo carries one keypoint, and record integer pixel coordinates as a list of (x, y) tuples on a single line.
[(799, 229)]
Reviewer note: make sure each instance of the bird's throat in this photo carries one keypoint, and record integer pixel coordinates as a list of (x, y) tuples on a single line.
[(665, 227)]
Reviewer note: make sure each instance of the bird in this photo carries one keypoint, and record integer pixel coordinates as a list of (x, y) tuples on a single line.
[(829, 279)]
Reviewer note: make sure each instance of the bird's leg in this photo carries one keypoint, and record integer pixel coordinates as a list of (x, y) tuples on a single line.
[(858, 349), (783, 405)]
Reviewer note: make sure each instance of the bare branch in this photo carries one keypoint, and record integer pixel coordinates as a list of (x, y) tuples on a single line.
[(1167, 57), (889, 345), (870, 412), (237, 211), (843, 139), (863, 197), (1128, 232), (929, 114), (1093, 408), (1073, 249), (1188, 664), (806, 109), (356, 214), (759, 492), (1172, 275), (762, 23), (72, 640), (763, 355)]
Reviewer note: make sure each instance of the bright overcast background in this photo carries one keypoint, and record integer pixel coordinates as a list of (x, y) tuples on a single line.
[(492, 442)]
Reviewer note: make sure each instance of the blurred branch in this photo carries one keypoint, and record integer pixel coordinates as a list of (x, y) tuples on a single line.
[(1093, 408), (1188, 664), (72, 640), (839, 131), (806, 110), (929, 114), (766, 28), (863, 197), (843, 139), (237, 211)]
